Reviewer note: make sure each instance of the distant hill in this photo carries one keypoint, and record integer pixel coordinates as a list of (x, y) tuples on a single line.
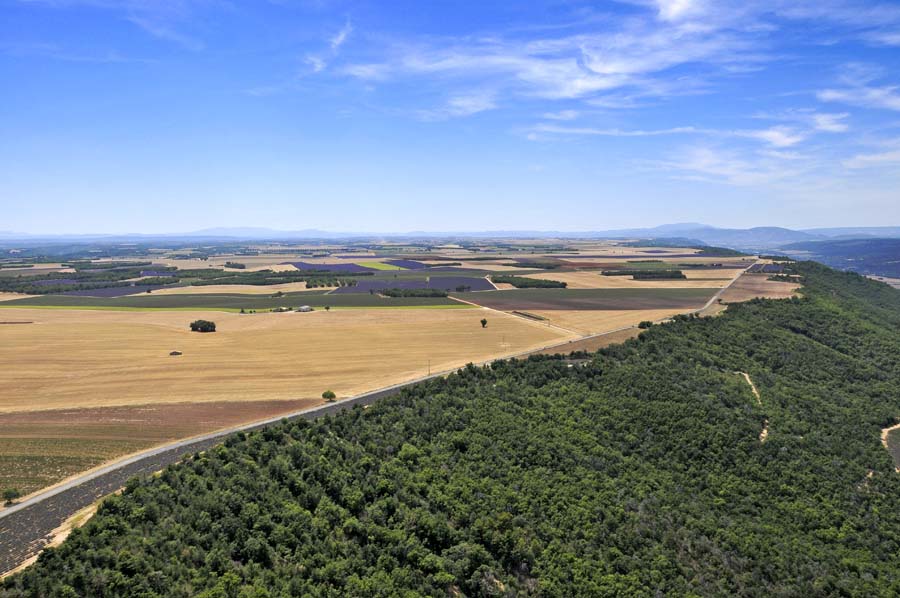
[(763, 238), (880, 257)]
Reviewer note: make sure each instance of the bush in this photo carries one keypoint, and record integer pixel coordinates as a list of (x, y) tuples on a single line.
[(10, 495), (203, 326)]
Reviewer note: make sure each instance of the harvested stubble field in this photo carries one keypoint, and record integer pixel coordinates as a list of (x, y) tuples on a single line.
[(591, 299), (245, 289), (75, 358), (253, 262), (594, 321), (594, 343), (749, 286), (593, 279), (40, 448)]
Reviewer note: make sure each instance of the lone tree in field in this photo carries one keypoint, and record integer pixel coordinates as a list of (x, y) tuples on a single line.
[(203, 326), (10, 495), (329, 396), (484, 322), (327, 308)]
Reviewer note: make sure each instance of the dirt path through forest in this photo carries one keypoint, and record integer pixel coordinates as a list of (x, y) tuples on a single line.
[(765, 431)]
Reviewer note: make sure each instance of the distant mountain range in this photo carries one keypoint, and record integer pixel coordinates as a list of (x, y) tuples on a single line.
[(763, 238)]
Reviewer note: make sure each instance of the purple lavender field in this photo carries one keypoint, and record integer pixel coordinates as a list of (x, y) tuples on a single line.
[(445, 283), (408, 264), (115, 291), (329, 267)]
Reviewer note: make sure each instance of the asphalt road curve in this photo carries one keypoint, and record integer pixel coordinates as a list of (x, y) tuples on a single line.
[(27, 528)]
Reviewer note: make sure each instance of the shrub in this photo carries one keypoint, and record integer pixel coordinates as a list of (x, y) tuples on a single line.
[(203, 326), (10, 495)]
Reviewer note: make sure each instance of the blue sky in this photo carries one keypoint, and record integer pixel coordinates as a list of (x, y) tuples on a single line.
[(176, 115)]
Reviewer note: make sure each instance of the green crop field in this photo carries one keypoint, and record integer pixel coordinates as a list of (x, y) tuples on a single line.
[(379, 266)]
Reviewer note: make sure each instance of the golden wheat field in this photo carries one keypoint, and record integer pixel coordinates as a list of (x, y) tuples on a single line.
[(82, 358)]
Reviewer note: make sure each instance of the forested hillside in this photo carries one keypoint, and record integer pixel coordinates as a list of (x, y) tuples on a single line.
[(640, 473)]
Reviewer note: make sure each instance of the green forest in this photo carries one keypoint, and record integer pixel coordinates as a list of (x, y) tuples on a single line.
[(639, 473)]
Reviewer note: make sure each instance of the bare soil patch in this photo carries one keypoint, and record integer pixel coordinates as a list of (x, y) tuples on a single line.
[(750, 286), (594, 343), (40, 448), (594, 321)]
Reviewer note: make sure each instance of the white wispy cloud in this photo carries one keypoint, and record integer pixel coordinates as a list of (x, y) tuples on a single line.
[(341, 36), (634, 56), (775, 136), (824, 122), (561, 115), (319, 61), (591, 131), (461, 105), (779, 137), (830, 123), (721, 165), (868, 96), (163, 19), (873, 160)]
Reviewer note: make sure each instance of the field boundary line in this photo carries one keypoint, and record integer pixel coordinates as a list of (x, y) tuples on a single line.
[(718, 294)]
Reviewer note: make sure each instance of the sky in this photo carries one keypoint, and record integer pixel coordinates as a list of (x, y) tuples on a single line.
[(158, 116)]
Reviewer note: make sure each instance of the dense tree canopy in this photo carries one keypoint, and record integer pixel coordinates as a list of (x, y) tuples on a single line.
[(640, 473)]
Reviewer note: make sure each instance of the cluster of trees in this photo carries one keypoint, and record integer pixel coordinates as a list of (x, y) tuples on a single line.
[(203, 326), (413, 292), (658, 275), (313, 278), (640, 473), (523, 282), (87, 276), (100, 275), (647, 274), (537, 265), (236, 265)]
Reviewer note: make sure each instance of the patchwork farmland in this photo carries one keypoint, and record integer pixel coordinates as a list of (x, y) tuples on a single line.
[(91, 378)]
